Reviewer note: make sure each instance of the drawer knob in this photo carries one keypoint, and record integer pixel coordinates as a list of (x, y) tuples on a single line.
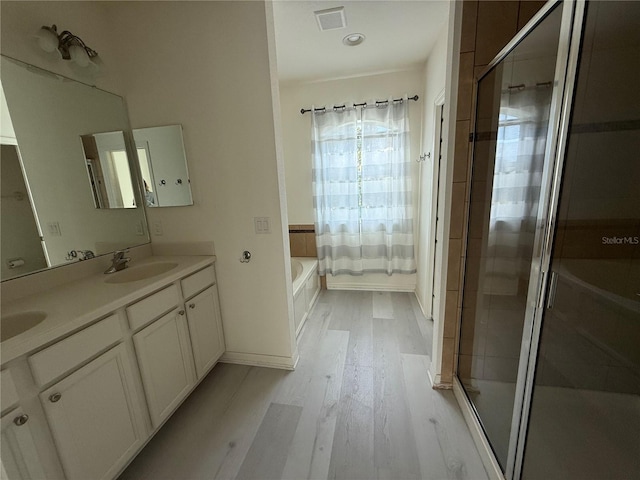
[(54, 397), (180, 312), (21, 419), (192, 305)]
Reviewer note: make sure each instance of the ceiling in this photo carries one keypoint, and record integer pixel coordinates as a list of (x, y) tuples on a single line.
[(399, 36)]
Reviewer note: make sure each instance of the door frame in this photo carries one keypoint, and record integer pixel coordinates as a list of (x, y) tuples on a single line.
[(437, 181), (570, 42)]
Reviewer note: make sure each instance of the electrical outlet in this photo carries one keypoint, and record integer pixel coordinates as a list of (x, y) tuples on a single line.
[(262, 224), (157, 227), (139, 228)]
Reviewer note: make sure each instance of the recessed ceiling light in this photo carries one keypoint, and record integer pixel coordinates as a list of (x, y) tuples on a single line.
[(353, 39)]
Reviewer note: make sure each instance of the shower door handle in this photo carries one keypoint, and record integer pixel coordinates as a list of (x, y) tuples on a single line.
[(553, 286)]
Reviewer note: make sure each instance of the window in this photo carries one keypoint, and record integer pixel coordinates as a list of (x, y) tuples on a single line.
[(362, 191)]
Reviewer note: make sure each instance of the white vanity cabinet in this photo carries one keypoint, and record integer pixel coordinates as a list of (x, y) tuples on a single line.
[(205, 327), (170, 348), (83, 404), (164, 357), (94, 417), (203, 315), (19, 458)]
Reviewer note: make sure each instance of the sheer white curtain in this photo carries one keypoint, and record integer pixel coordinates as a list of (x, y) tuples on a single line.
[(519, 162), (362, 190)]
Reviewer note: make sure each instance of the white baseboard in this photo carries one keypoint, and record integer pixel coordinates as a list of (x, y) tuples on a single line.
[(489, 460), (256, 360), (424, 312), (433, 384), (373, 287)]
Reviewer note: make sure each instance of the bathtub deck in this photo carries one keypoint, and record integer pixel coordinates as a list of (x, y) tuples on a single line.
[(359, 405)]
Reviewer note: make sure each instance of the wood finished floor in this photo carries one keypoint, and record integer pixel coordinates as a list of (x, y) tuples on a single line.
[(358, 406)]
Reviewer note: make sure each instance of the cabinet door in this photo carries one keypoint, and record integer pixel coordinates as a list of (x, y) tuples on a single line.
[(19, 459), (94, 417), (164, 357), (205, 327)]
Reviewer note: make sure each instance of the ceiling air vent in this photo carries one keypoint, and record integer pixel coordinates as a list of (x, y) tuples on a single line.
[(331, 18)]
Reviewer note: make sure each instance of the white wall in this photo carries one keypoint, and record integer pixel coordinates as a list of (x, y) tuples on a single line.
[(435, 77), (297, 147), (204, 65)]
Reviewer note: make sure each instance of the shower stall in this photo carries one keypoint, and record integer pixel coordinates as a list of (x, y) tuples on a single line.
[(549, 352)]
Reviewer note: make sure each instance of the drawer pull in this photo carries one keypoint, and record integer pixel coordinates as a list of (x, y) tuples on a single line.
[(54, 397), (21, 419), (180, 312), (192, 305)]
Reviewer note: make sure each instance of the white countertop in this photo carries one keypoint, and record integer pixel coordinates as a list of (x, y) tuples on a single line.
[(74, 305)]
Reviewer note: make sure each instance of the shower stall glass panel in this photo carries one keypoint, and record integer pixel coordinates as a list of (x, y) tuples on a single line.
[(585, 410), (514, 101)]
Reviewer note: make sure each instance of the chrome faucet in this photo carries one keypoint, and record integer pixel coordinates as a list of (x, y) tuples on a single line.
[(118, 262)]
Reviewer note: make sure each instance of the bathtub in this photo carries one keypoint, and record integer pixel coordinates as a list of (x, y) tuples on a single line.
[(593, 329), (306, 287)]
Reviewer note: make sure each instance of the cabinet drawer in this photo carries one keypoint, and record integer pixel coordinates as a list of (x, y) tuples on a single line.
[(198, 281), (67, 354), (9, 395), (147, 310)]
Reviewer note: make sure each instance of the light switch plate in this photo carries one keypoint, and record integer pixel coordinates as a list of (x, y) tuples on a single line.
[(262, 224)]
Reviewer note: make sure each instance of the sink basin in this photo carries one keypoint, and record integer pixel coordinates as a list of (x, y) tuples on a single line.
[(142, 272), (12, 325)]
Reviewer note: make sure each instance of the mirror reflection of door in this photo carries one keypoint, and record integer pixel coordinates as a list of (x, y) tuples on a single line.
[(108, 169), (144, 159), (163, 165), (22, 250)]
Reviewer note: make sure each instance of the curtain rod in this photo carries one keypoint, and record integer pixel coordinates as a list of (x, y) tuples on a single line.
[(364, 104)]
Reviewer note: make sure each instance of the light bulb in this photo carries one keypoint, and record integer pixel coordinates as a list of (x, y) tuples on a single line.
[(79, 55), (47, 40), (353, 39), (97, 65)]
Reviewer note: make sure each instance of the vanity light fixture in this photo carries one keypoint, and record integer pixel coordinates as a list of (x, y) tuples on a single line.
[(70, 46), (353, 39)]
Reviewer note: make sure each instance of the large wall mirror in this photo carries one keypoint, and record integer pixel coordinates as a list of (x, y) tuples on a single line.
[(63, 154), (163, 166)]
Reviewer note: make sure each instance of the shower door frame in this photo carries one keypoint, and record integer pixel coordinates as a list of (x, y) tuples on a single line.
[(568, 53)]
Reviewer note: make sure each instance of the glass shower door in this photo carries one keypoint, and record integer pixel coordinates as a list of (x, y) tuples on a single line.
[(585, 410), (510, 163)]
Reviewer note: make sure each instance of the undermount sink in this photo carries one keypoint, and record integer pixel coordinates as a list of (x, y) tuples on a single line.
[(142, 272), (12, 325)]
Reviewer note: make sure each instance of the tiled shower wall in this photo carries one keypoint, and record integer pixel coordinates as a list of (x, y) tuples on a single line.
[(302, 241), (487, 26)]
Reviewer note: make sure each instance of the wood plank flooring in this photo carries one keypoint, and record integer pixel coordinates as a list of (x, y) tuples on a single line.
[(358, 406)]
